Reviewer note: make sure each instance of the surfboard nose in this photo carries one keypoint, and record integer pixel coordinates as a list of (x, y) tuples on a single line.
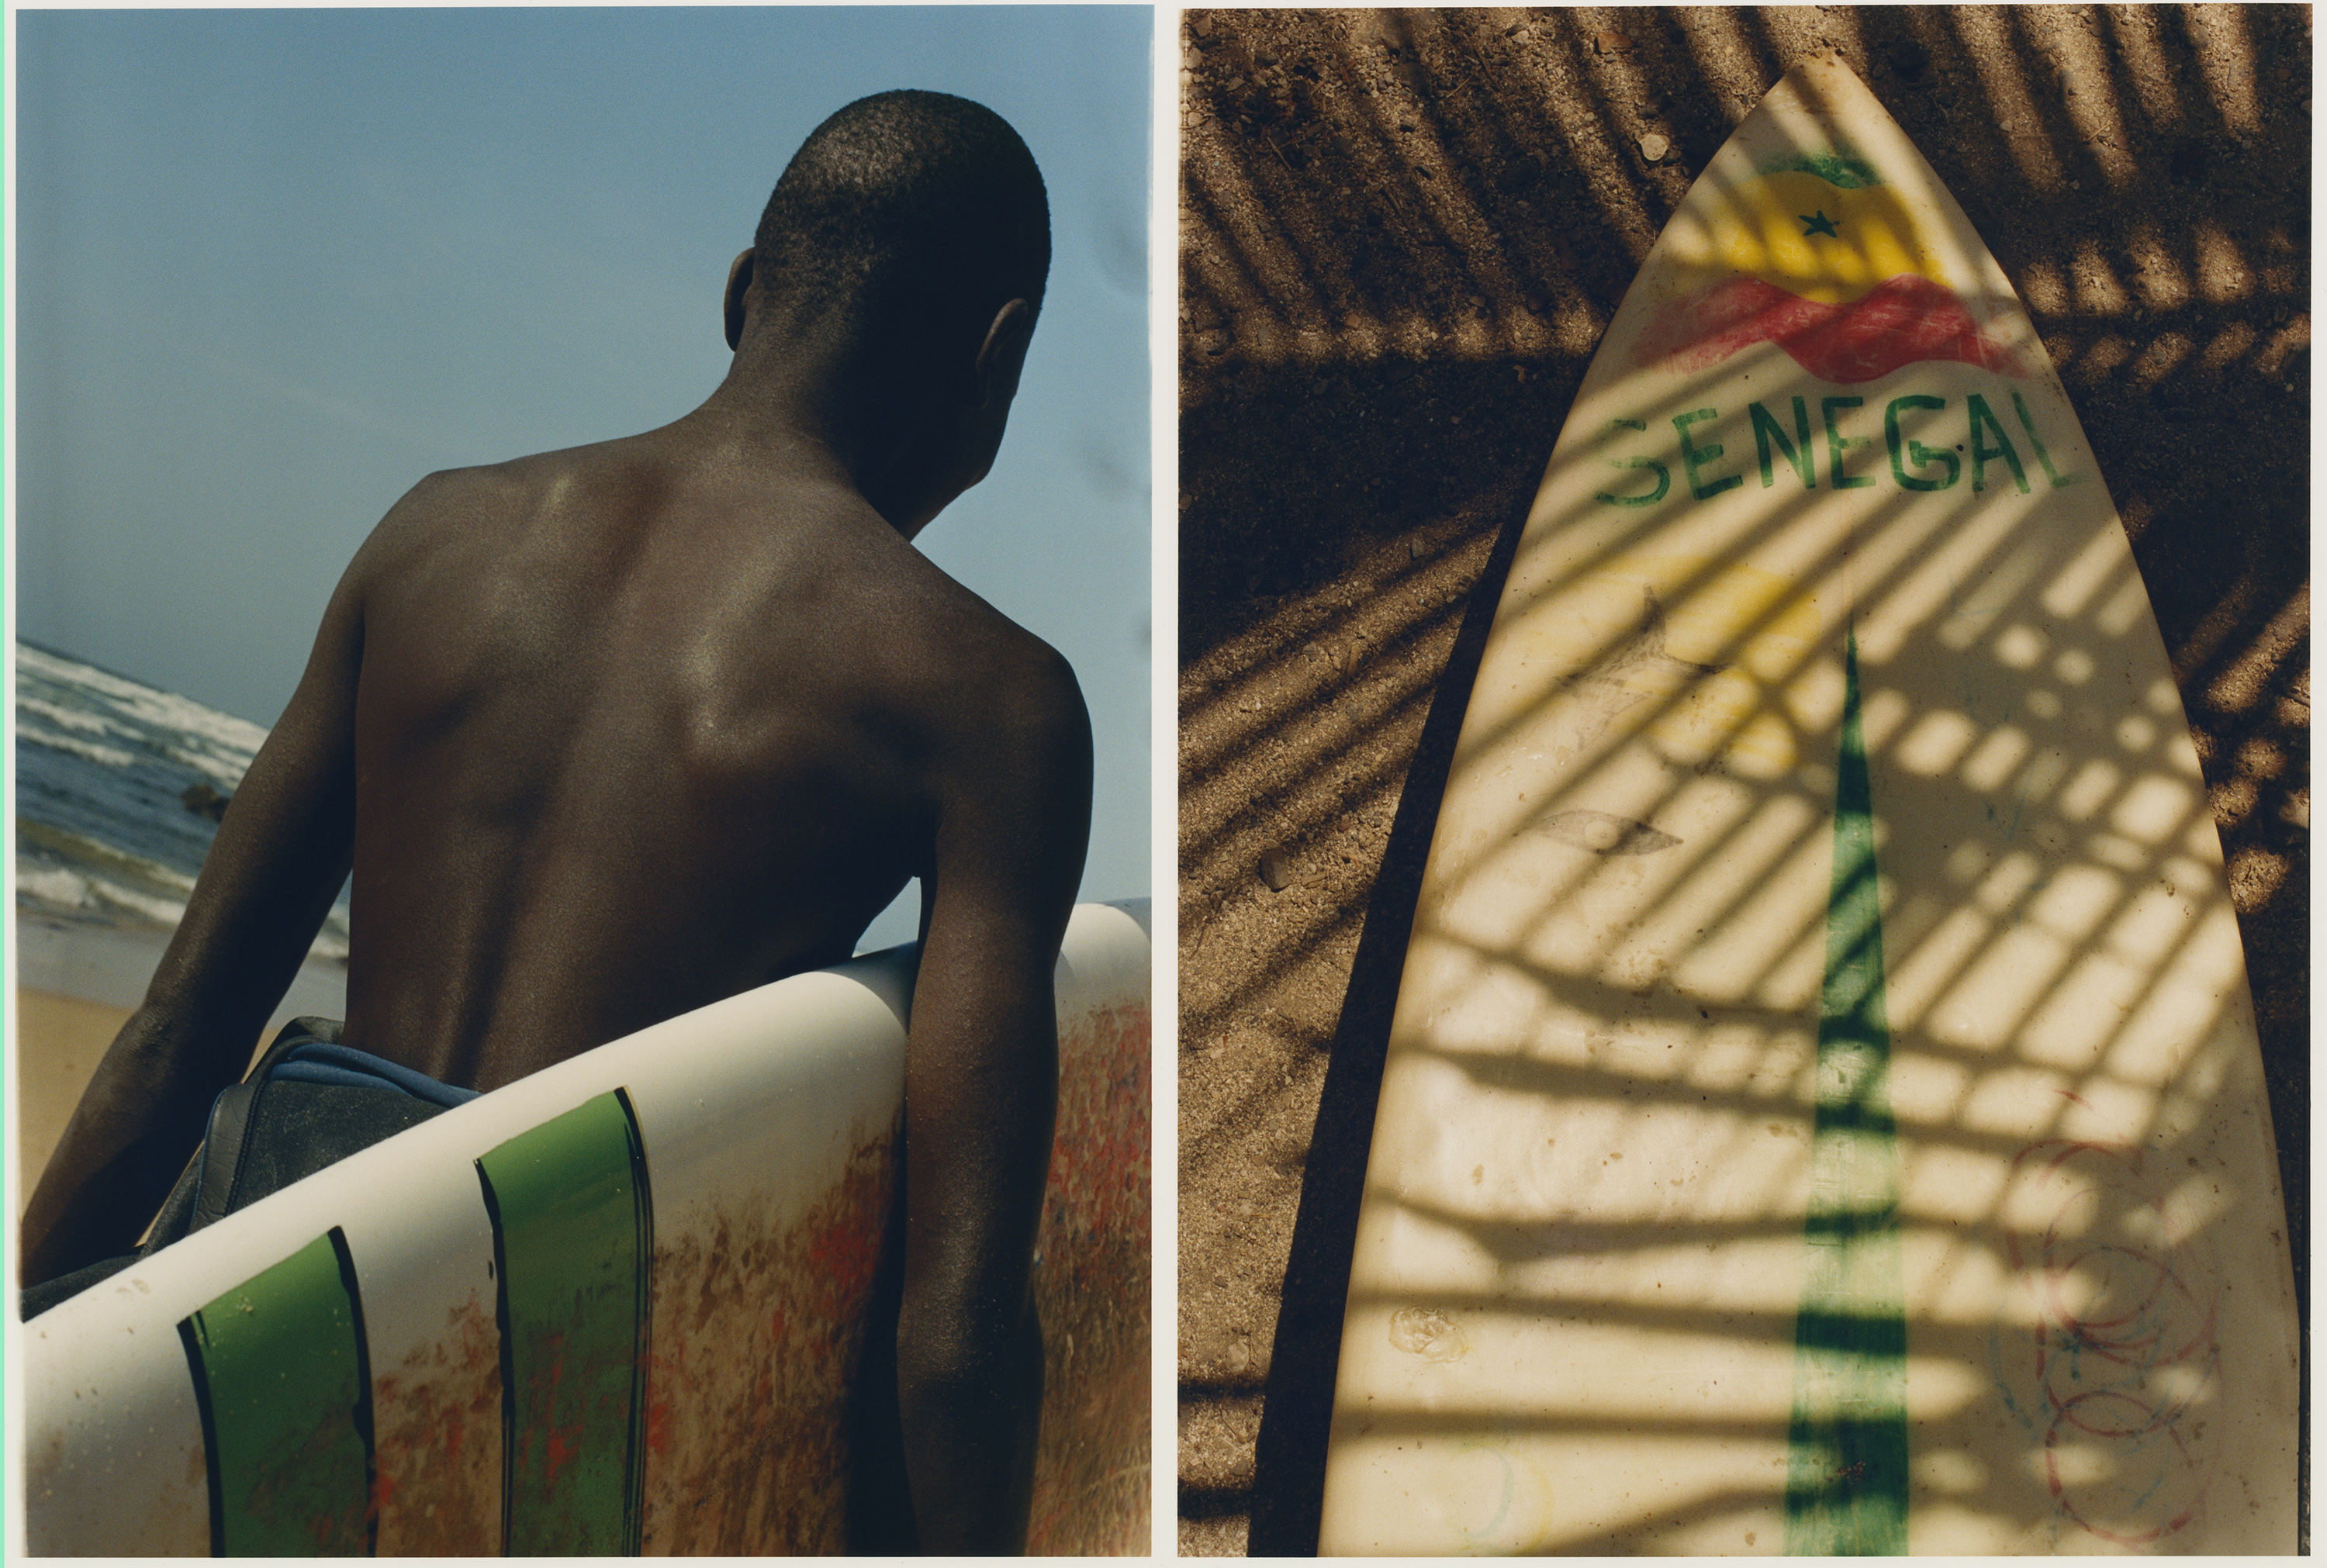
[(1761, 1154)]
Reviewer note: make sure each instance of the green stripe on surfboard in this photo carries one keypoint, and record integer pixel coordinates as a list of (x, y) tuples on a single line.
[(1846, 1481), (282, 1376), (572, 1243)]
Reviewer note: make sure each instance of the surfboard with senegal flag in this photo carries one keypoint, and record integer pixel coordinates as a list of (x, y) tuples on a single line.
[(1816, 254), (1822, 1111)]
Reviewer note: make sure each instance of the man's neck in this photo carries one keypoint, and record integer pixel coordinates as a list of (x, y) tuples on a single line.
[(768, 417), (803, 400)]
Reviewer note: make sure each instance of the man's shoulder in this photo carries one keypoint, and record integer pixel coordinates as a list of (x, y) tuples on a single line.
[(972, 667), (453, 498), (513, 481), (468, 509), (1004, 739)]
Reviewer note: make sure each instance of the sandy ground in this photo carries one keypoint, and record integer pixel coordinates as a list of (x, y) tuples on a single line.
[(58, 1041), (76, 986), (1402, 235)]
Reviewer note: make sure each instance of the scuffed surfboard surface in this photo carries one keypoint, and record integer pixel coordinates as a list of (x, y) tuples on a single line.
[(1092, 1481), (749, 1151), (1823, 1112)]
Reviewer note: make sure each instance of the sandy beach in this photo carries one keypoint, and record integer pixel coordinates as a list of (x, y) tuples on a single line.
[(76, 986), (58, 1040)]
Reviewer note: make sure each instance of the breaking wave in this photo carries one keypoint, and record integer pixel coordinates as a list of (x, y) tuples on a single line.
[(112, 777)]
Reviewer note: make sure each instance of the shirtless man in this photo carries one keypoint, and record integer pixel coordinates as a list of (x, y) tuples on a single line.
[(608, 735)]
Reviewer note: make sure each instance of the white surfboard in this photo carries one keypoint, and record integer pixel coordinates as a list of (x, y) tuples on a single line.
[(613, 1307), (1823, 1110)]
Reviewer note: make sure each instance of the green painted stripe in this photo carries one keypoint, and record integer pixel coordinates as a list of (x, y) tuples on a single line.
[(284, 1384), (1846, 1481), (572, 1243)]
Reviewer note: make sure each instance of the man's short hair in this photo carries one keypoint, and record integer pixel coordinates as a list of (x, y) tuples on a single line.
[(914, 211)]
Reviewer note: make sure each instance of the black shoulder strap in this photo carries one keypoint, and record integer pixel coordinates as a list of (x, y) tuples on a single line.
[(231, 1117)]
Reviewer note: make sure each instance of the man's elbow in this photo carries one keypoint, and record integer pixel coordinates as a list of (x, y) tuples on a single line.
[(954, 1354)]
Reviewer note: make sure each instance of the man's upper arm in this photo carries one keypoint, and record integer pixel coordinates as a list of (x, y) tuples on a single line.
[(284, 846), (280, 855), (981, 1075), (287, 843), (1012, 774)]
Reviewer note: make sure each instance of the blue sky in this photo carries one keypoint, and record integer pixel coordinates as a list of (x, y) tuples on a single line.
[(272, 266)]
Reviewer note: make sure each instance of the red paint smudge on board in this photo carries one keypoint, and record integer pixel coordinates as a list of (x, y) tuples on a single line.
[(658, 1422), (760, 1320), (759, 1323), (1902, 320), (1090, 1481), (436, 1425), (562, 1451)]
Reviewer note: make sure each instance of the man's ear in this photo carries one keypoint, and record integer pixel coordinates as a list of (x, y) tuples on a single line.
[(739, 284), (1003, 353)]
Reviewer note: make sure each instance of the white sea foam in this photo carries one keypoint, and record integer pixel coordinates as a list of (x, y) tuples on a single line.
[(78, 847), (226, 771), (175, 882), (166, 912), (163, 710), (59, 889), (57, 714), (108, 756), (101, 839), (217, 745), (53, 884)]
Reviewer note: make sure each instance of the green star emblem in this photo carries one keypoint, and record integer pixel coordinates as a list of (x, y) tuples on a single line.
[(1821, 224)]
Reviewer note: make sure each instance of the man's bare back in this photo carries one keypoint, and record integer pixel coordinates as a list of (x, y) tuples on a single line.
[(609, 733), (667, 727)]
